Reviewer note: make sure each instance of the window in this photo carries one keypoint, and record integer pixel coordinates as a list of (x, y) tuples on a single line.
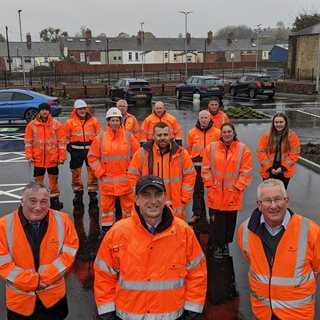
[(189, 58), (130, 56), (114, 58), (137, 55), (20, 96), (119, 58), (46, 59), (82, 57), (27, 60), (166, 55), (175, 57), (5, 96)]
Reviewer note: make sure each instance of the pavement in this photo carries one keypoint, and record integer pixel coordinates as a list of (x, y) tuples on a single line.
[(228, 290)]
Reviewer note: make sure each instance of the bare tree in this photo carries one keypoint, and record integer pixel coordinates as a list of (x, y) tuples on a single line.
[(239, 32)]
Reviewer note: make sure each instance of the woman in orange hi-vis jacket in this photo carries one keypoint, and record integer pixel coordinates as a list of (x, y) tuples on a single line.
[(278, 150), (226, 172), (109, 157)]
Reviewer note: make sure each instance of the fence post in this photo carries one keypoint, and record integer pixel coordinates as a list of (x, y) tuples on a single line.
[(82, 76), (162, 89), (106, 90), (312, 74), (30, 78), (64, 92), (298, 75), (85, 90)]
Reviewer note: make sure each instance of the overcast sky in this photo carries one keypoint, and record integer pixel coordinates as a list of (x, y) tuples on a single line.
[(161, 17)]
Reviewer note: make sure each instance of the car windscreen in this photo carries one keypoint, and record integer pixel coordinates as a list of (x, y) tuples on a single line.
[(212, 82), (265, 79)]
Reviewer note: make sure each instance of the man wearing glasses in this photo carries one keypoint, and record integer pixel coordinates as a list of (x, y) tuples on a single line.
[(283, 249)]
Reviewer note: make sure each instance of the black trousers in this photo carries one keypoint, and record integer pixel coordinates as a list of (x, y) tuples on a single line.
[(57, 312), (198, 203), (223, 227), (39, 171), (78, 156), (280, 177)]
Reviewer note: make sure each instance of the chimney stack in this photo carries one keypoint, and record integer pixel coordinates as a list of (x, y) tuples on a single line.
[(231, 36), (28, 38), (88, 35)]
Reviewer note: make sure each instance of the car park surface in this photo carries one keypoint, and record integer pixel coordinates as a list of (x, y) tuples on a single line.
[(228, 274), (18, 104), (253, 85), (205, 86), (132, 90)]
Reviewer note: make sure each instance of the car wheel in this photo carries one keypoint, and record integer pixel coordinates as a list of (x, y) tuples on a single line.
[(252, 93), (30, 114), (233, 91), (148, 101), (178, 94), (271, 95)]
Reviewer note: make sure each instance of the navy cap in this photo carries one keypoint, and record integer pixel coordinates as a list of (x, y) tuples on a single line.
[(44, 106), (150, 180)]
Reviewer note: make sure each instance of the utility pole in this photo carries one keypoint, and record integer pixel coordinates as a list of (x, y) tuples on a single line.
[(257, 46), (142, 49), (318, 69), (186, 40), (22, 57), (8, 49)]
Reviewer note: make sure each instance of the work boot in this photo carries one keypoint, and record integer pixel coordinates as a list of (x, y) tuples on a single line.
[(225, 250), (193, 220), (78, 199), (55, 204), (217, 254), (93, 199)]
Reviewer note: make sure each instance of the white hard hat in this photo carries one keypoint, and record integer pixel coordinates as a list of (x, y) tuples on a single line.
[(79, 104), (113, 112)]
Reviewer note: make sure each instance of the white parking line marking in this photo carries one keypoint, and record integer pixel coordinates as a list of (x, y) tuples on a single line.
[(18, 136), (11, 192), (18, 157), (309, 114)]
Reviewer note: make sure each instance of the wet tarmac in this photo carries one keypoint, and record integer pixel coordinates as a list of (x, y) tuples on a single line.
[(228, 289)]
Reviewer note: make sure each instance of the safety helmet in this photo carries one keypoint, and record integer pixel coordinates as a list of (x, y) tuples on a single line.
[(113, 112), (79, 104)]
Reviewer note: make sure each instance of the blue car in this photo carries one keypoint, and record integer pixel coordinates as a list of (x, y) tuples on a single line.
[(205, 86), (18, 104)]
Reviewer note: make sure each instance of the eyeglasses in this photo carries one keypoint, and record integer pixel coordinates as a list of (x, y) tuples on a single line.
[(277, 201)]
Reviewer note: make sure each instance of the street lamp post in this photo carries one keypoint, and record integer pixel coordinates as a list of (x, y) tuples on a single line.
[(186, 40), (142, 49), (257, 46), (22, 57), (318, 69)]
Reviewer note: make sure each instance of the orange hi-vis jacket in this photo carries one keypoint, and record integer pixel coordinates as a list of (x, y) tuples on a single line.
[(198, 139), (175, 168), (144, 276), (80, 133), (219, 118), (57, 253), (45, 142), (288, 159), (109, 157), (131, 125), (287, 285), (149, 122), (226, 172)]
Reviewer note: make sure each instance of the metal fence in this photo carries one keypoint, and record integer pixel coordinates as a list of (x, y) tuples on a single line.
[(52, 78)]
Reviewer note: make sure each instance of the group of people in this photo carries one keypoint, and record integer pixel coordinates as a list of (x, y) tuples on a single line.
[(150, 264)]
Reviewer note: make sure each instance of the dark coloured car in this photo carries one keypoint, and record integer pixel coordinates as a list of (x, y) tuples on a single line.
[(253, 85), (205, 86), (132, 90), (19, 104)]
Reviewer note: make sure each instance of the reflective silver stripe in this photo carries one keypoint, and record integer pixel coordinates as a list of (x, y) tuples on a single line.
[(174, 179), (188, 170), (197, 164), (106, 307), (192, 306), (106, 224), (133, 170), (51, 286), (196, 148), (264, 163), (79, 147), (177, 210), (42, 267), (113, 179), (285, 304), (143, 158), (127, 214), (104, 267), (128, 134), (231, 175), (295, 149), (107, 214), (192, 264), (186, 187), (204, 168), (5, 258), (206, 176), (290, 163), (10, 230), (151, 285), (94, 164), (213, 149), (169, 202), (93, 155), (245, 238), (110, 158), (261, 149), (69, 250), (150, 316), (77, 134), (239, 159), (229, 184), (53, 146), (13, 274), (60, 266), (12, 287), (60, 229)]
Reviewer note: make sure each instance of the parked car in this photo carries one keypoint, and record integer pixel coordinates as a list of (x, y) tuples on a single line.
[(205, 86), (18, 104), (132, 90), (253, 85)]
